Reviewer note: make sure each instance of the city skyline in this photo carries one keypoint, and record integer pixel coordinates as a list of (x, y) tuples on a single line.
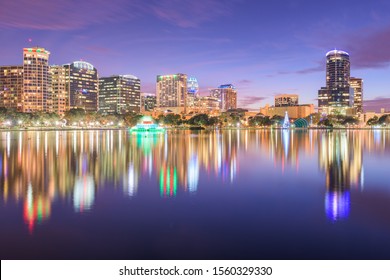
[(264, 49)]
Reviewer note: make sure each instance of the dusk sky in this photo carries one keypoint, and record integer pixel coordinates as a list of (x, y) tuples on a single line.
[(262, 47)]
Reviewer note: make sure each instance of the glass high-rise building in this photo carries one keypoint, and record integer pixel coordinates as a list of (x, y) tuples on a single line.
[(11, 86), (337, 78), (83, 86), (339, 94), (119, 94), (192, 91), (171, 91), (357, 85), (323, 96), (36, 80)]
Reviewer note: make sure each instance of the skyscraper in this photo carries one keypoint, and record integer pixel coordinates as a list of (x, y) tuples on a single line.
[(339, 94), (36, 80), (11, 86), (83, 86), (119, 94), (192, 91), (227, 96), (171, 91), (59, 103), (357, 86)]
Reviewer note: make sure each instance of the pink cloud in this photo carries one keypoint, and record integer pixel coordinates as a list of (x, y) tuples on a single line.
[(370, 48), (320, 67), (189, 13), (76, 14), (376, 104), (250, 101), (60, 15)]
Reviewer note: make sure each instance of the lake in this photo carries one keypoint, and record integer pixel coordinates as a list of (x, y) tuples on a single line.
[(231, 194)]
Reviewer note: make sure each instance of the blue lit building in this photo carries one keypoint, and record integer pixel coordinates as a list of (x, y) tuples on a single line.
[(192, 91), (83, 86)]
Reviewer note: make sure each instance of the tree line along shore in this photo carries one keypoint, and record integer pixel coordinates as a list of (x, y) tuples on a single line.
[(78, 118)]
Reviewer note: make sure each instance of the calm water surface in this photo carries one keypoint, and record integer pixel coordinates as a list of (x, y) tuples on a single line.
[(195, 195)]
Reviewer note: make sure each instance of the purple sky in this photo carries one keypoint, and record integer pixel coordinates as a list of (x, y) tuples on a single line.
[(262, 47)]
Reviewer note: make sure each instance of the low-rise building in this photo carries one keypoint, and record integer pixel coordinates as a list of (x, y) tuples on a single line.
[(294, 112)]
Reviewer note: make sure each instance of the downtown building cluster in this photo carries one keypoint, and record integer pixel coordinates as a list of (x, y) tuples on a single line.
[(178, 93), (37, 86), (342, 94)]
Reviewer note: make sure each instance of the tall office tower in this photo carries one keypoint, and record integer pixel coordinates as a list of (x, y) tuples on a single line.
[(227, 96), (36, 80), (60, 94), (148, 102), (11, 86), (282, 100), (83, 86), (171, 91), (357, 85), (119, 94), (340, 95), (192, 91)]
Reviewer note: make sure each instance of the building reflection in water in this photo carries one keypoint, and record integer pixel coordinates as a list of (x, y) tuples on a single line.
[(35, 210), (83, 193), (285, 146), (341, 159), (38, 168), (193, 173)]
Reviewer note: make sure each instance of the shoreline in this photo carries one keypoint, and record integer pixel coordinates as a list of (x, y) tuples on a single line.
[(189, 128)]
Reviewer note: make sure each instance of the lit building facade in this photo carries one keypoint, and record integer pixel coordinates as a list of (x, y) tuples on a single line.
[(227, 96), (294, 112), (341, 159), (60, 95), (148, 102), (338, 92), (357, 85), (323, 97), (208, 104), (83, 86), (171, 91), (192, 92), (36, 80), (286, 100), (337, 78), (119, 94), (11, 86)]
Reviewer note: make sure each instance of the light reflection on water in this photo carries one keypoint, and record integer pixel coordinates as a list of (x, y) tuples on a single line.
[(44, 169)]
